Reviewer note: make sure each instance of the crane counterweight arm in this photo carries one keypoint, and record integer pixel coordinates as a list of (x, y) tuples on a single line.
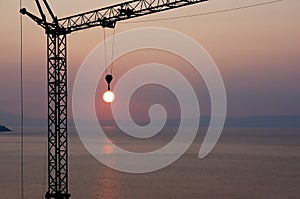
[(108, 16), (50, 27), (38, 20)]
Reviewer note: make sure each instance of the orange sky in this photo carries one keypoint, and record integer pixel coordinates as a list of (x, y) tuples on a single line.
[(256, 50)]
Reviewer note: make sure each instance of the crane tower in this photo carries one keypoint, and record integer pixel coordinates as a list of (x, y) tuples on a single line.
[(57, 31)]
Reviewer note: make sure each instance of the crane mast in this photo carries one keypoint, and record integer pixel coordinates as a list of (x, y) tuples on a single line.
[(57, 31)]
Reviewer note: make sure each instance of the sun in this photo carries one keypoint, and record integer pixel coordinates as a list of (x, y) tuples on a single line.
[(108, 96)]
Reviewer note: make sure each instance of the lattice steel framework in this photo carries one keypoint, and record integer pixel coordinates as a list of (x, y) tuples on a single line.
[(57, 31), (57, 117)]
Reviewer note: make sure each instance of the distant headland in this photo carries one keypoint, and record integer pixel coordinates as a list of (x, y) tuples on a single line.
[(4, 129)]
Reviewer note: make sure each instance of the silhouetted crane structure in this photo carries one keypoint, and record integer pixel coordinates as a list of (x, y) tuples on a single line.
[(57, 31)]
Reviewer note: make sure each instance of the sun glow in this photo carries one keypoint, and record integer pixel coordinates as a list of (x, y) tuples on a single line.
[(108, 96)]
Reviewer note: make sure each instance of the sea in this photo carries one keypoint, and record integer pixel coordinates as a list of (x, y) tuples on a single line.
[(254, 163)]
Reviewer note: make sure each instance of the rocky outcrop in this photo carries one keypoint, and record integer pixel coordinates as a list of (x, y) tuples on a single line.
[(4, 129)]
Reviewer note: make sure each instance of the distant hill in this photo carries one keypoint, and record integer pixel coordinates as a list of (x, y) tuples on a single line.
[(247, 121), (4, 129), (264, 121)]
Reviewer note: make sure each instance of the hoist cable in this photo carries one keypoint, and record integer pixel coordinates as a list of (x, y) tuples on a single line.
[(105, 55), (21, 104), (112, 50), (205, 13)]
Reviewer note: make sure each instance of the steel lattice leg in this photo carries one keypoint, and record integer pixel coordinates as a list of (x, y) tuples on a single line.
[(57, 118)]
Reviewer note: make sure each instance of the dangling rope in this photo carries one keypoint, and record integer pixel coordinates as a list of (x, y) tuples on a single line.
[(45, 166), (112, 51), (21, 103)]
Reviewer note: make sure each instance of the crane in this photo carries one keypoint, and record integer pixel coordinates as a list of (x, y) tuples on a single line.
[(57, 31)]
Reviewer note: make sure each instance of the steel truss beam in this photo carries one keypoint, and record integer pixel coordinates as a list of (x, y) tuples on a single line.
[(108, 16)]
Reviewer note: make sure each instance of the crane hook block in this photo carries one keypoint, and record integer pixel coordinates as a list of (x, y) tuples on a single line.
[(108, 79)]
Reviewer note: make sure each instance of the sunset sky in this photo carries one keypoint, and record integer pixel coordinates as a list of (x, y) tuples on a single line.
[(257, 51)]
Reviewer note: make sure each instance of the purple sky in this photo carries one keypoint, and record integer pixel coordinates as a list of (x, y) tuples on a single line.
[(256, 50)]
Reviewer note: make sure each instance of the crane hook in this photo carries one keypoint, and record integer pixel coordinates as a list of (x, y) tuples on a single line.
[(108, 79)]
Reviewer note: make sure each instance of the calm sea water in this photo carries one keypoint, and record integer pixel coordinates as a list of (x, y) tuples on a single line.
[(246, 163)]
